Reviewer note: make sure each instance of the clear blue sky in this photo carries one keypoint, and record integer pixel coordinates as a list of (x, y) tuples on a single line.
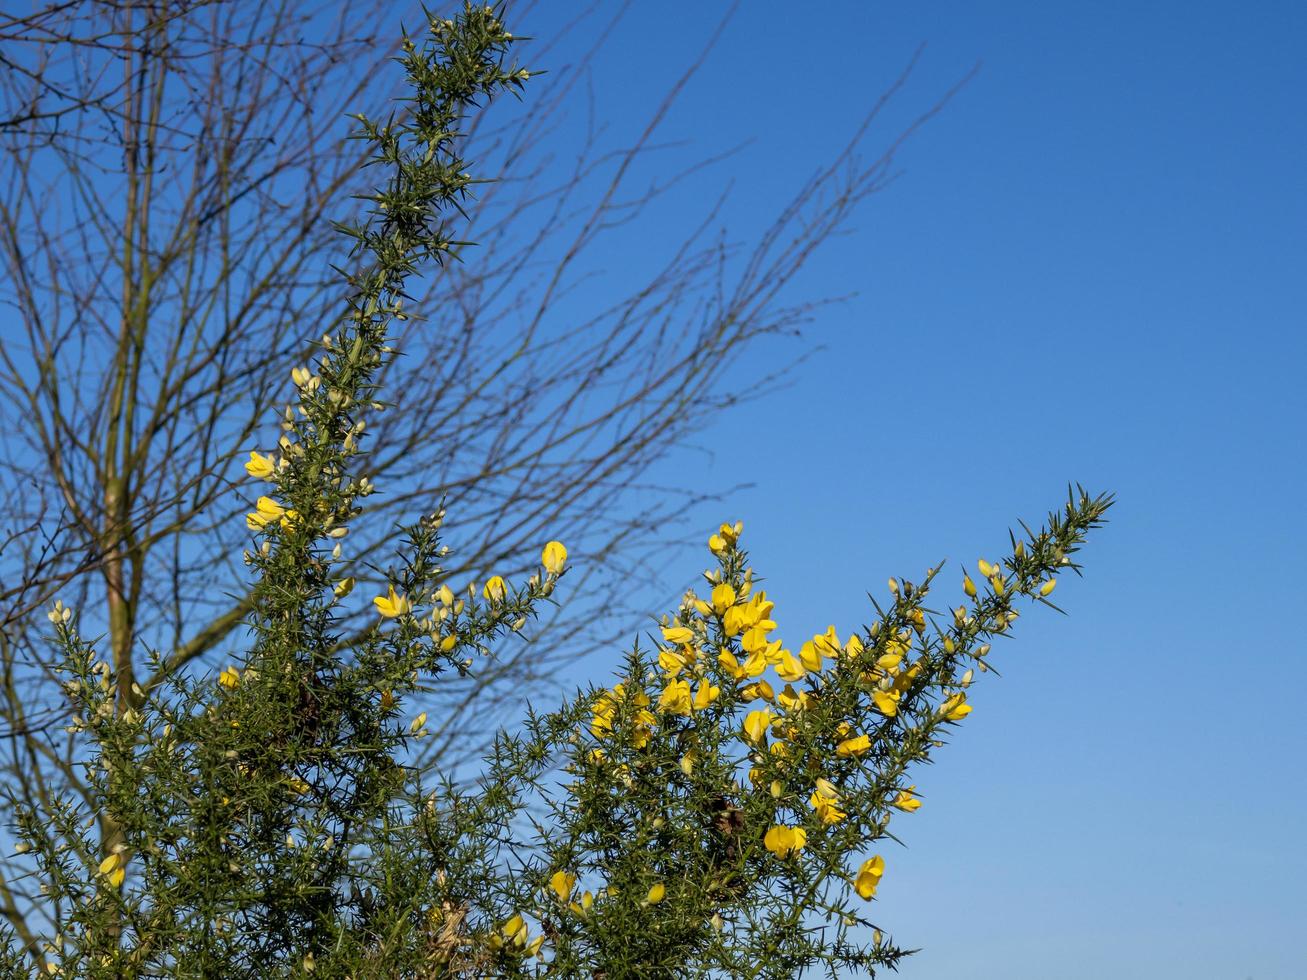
[(1091, 269)]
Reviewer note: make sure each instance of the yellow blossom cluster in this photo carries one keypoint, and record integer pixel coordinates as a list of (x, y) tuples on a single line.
[(515, 935), (746, 616), (604, 713)]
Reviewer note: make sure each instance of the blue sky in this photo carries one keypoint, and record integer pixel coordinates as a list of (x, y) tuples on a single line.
[(1090, 270)]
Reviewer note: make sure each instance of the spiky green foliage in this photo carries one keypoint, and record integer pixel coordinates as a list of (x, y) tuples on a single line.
[(712, 814)]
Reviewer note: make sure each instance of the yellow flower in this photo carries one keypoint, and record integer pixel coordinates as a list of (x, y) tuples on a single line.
[(854, 646), (229, 678), (1048, 587), (868, 879), (266, 511), (656, 894), (825, 800), (756, 724), (827, 643), (887, 702), (853, 746), (561, 884), (968, 586), (756, 690), (756, 665), (716, 544), (905, 679), (297, 785), (788, 668), (416, 724), (495, 589), (734, 621), (785, 841), (723, 597), (792, 700), (907, 800), (344, 587), (392, 604), (754, 639), (810, 656), (706, 695), (260, 467), (514, 930), (671, 661), (889, 661), (985, 568), (675, 698), (644, 725), (554, 557), (955, 707), (678, 634), (731, 665)]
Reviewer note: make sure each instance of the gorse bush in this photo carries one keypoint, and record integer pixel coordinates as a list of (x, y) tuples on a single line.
[(713, 813)]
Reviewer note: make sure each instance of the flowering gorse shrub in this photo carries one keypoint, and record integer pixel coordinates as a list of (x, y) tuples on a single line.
[(712, 813)]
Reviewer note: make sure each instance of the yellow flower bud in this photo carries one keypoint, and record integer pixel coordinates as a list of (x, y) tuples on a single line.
[(554, 557), (495, 589)]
